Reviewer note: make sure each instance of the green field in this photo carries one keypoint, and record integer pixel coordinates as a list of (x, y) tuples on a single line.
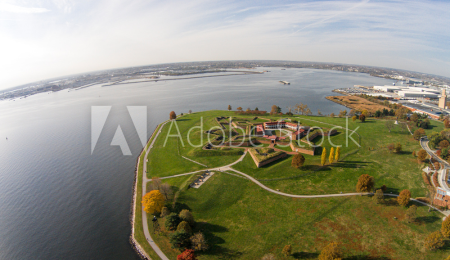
[(243, 221)]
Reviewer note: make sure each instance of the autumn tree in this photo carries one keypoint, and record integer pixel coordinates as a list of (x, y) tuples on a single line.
[(172, 115), (301, 108), (389, 125), (331, 157), (180, 240), (365, 112), (188, 254), (362, 118), (404, 197), (414, 117), (337, 154), (378, 197), (332, 115), (397, 148), (187, 216), (199, 242), (447, 123), (323, 157), (418, 133), (184, 226), (287, 250), (411, 214), (434, 241), (155, 184), (444, 144), (229, 107), (422, 155), (172, 221), (365, 183), (445, 229), (354, 118), (239, 108), (153, 202), (318, 112), (298, 160), (331, 252)]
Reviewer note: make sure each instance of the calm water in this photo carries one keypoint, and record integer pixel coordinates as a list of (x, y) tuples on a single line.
[(57, 201)]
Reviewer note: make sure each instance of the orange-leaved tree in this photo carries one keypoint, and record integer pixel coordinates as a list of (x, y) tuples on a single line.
[(331, 252), (403, 198), (365, 183), (173, 115), (153, 202), (445, 229), (298, 160)]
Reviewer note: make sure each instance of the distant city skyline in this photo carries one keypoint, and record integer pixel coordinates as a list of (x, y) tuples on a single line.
[(53, 38)]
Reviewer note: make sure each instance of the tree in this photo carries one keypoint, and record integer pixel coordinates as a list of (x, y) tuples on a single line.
[(287, 250), (378, 197), (187, 216), (414, 117), (342, 113), (298, 160), (190, 111), (256, 109), (444, 144), (188, 254), (365, 183), (389, 125), (434, 241), (354, 118), (362, 118), (274, 109), (180, 240), (338, 154), (318, 112), (331, 157), (153, 202), (239, 108), (365, 112), (404, 197), (378, 113), (166, 190), (422, 155), (445, 229), (198, 242), (229, 107), (301, 108), (155, 184), (172, 115), (172, 221), (184, 226), (397, 148), (411, 214), (331, 252), (165, 212), (332, 115), (268, 257), (323, 157), (447, 123)]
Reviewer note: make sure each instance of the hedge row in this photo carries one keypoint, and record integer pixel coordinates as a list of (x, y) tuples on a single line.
[(206, 153)]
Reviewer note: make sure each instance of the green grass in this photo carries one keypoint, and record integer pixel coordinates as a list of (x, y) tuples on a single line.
[(243, 221)]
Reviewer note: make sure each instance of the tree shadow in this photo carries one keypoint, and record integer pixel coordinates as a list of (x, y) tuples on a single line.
[(304, 255), (350, 164), (427, 219), (277, 161), (222, 253), (183, 119), (178, 207), (366, 257)]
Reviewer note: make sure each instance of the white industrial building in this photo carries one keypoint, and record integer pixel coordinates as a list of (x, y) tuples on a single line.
[(417, 94), (387, 88)]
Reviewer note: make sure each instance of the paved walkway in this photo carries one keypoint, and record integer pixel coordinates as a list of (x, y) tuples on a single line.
[(194, 161), (144, 191)]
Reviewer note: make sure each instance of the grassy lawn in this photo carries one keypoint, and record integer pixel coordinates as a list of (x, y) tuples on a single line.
[(243, 221)]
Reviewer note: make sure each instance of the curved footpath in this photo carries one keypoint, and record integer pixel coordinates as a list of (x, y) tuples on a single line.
[(145, 180)]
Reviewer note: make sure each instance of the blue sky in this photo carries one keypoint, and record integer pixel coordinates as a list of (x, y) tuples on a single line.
[(41, 39)]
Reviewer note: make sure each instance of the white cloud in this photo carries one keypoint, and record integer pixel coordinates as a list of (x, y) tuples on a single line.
[(5, 7)]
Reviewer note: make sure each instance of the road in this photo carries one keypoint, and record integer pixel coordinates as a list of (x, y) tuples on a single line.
[(441, 178)]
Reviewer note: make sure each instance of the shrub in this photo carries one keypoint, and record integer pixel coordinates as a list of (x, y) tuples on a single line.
[(404, 197), (331, 252), (444, 144), (397, 148), (434, 241), (411, 214), (354, 118), (198, 242), (165, 212), (287, 250), (186, 215), (180, 240), (445, 229), (188, 254), (298, 160), (172, 221), (184, 226), (365, 183), (378, 197)]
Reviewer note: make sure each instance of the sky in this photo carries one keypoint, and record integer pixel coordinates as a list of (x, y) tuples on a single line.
[(42, 39)]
